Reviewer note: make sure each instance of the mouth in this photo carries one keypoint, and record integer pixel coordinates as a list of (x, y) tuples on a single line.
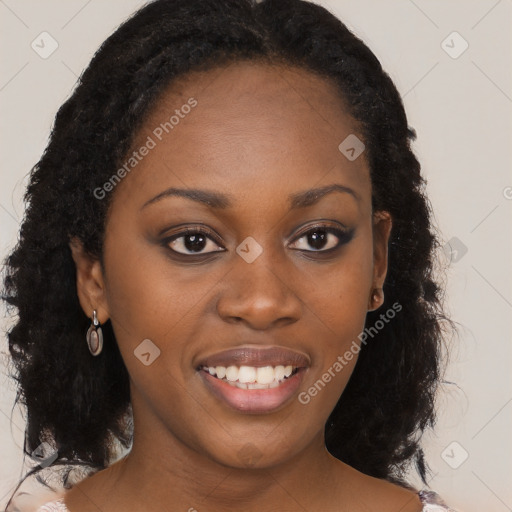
[(254, 380)]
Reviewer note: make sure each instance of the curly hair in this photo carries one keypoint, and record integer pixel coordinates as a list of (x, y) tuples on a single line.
[(80, 404)]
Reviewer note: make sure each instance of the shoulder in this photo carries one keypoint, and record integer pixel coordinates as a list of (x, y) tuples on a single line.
[(37, 502), (46, 488), (53, 506), (384, 495), (432, 502)]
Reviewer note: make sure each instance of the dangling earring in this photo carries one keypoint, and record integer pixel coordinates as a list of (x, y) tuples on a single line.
[(95, 336)]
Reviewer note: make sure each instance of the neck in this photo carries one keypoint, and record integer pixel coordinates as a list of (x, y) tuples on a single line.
[(170, 472)]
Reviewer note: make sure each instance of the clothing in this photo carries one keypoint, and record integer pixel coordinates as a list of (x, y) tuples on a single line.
[(431, 503), (54, 506)]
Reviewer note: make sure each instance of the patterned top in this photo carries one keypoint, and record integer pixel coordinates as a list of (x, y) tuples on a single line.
[(431, 503), (54, 506)]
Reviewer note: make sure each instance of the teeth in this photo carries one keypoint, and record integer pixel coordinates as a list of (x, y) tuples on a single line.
[(250, 377), (256, 385), (265, 375), (279, 372), (246, 374), (232, 373)]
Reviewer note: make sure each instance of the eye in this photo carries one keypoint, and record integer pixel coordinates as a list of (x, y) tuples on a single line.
[(193, 241), (322, 238)]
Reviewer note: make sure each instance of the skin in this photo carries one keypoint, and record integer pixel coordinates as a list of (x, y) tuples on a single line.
[(258, 134)]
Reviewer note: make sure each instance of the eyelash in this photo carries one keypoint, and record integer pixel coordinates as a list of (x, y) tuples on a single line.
[(344, 237)]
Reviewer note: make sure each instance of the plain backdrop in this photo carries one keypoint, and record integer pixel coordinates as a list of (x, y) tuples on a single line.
[(451, 62)]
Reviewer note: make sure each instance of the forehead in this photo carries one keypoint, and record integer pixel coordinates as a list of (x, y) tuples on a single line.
[(249, 121)]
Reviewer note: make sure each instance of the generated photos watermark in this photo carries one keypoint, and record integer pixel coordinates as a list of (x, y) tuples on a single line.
[(152, 141), (343, 360)]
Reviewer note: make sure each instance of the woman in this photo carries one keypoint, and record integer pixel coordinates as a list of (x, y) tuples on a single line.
[(227, 243)]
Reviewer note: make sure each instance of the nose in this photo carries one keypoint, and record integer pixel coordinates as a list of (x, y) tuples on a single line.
[(259, 294)]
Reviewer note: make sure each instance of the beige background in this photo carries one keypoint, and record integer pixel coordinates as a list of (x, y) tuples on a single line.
[(461, 109)]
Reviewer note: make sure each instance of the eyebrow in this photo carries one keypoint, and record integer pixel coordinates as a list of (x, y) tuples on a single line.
[(222, 201)]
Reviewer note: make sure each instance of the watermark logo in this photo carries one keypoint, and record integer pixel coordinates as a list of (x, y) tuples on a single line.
[(352, 147), (249, 249), (454, 455), (454, 45), (455, 249), (44, 455), (44, 45), (249, 454), (147, 352)]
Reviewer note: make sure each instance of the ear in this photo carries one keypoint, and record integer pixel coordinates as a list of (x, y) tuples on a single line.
[(90, 282), (382, 224)]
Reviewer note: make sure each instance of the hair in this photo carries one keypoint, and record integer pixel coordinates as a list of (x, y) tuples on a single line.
[(79, 404)]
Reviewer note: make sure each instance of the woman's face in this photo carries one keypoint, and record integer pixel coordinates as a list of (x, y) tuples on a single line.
[(279, 275)]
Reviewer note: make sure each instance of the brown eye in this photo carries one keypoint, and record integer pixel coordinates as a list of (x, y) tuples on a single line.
[(322, 239), (193, 241)]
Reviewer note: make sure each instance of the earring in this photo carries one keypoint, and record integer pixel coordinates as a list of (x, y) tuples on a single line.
[(377, 297), (95, 336)]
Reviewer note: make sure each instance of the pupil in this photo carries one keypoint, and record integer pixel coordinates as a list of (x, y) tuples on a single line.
[(317, 239), (195, 242)]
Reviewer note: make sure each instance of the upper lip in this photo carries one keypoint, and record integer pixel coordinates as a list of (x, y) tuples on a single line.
[(257, 357)]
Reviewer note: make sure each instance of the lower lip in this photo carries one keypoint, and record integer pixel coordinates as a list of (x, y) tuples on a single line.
[(254, 400)]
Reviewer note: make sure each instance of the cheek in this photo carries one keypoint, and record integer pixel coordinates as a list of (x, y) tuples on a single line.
[(147, 295), (337, 293), (151, 300), (150, 297), (339, 301)]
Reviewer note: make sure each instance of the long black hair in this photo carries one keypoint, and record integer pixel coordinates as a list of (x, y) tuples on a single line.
[(79, 404)]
